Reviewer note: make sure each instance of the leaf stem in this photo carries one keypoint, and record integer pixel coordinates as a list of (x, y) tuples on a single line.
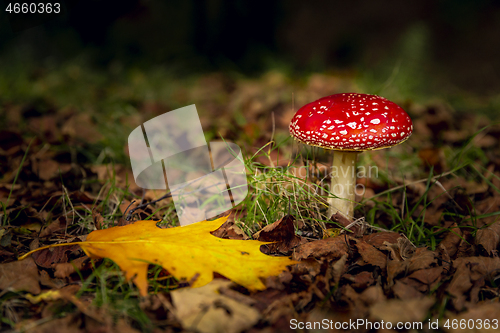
[(24, 256)]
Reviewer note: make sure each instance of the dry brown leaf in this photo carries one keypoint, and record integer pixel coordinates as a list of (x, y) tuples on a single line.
[(357, 305), (127, 206), (355, 230), (64, 270), (338, 269), (452, 240), (54, 283), (468, 271), (308, 266), (394, 268), (472, 187), (361, 280), (230, 231), (422, 258), (395, 310), (427, 276), (282, 234), (378, 239), (75, 197), (67, 324), (401, 250), (489, 237), (405, 292), (442, 253), (47, 169), (484, 141), (48, 257), (479, 314), (205, 310), (54, 226), (423, 288), (98, 219), (47, 126), (332, 248), (370, 255), (479, 266), (393, 250), (20, 275), (433, 157), (82, 127), (459, 286), (279, 282), (373, 295)]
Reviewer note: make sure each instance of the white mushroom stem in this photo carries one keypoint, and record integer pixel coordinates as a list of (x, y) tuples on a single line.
[(343, 184)]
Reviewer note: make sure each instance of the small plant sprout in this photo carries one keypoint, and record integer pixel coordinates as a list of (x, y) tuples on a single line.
[(349, 123)]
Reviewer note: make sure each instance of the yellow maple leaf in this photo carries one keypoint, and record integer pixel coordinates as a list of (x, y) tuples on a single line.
[(188, 252)]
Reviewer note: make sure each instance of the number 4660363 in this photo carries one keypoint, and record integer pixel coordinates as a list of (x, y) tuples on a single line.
[(33, 8)]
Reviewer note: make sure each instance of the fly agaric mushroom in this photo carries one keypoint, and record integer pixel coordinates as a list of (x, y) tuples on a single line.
[(349, 123)]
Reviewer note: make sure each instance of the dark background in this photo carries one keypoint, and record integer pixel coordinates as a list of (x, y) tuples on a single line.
[(452, 44)]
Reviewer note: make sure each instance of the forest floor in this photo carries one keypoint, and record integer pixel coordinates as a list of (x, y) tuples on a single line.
[(424, 250)]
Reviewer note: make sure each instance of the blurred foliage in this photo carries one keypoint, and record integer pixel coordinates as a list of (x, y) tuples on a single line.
[(456, 41)]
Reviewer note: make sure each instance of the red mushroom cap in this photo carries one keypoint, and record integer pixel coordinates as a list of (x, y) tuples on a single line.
[(352, 122)]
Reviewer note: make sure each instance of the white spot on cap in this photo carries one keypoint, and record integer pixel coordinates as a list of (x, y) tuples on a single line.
[(375, 121), (343, 132), (338, 121), (352, 125)]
